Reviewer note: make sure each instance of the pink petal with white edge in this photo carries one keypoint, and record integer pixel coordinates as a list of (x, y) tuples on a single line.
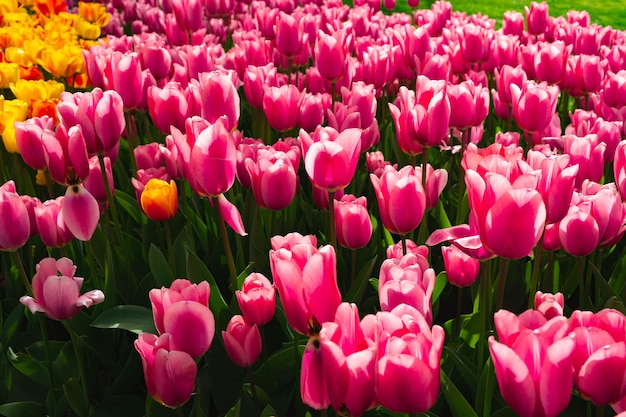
[(231, 215), (90, 298)]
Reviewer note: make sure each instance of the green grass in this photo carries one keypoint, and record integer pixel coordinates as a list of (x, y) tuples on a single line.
[(605, 12)]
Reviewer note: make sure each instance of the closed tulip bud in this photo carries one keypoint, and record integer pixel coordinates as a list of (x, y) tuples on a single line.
[(550, 305), (461, 269), (56, 290), (94, 182), (352, 222), (288, 34), (536, 18), (50, 223), (330, 54), (282, 106), (257, 299), (159, 199), (170, 374), (242, 341), (181, 289), (14, 219)]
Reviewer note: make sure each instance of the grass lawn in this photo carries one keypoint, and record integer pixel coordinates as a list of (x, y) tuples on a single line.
[(606, 12)]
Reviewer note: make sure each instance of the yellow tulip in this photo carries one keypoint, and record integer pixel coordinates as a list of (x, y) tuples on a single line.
[(159, 199), (29, 91), (9, 74), (11, 111), (94, 13)]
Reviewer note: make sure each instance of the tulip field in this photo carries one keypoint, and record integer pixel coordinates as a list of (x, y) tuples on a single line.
[(307, 208)]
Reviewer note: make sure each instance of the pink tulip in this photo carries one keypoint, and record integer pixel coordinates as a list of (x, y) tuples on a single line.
[(281, 106), (510, 220), (536, 18), (50, 223), (273, 181), (550, 305), (127, 78), (255, 80), (170, 375), (306, 280), (288, 35), (401, 198), (407, 280), (191, 325), (602, 377), (461, 269), (551, 62), (534, 106), (66, 154), (556, 183), (408, 354), (475, 44), (352, 222), (14, 219), (179, 290), (396, 251), (330, 157), (330, 53), (169, 106), (94, 182), (242, 341), (80, 212), (257, 299), (56, 291), (535, 372), (473, 98), (513, 23), (219, 97), (30, 137), (188, 14), (579, 233), (588, 153)]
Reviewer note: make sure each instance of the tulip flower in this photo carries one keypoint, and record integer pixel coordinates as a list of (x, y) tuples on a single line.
[(159, 199), (219, 97), (170, 375), (242, 341), (535, 372), (56, 291), (257, 299), (281, 106), (179, 290), (534, 106), (536, 17), (169, 106), (352, 222), (551, 62), (550, 305), (461, 269), (306, 280), (401, 198), (50, 223), (191, 326), (288, 35), (330, 53), (330, 157), (14, 219)]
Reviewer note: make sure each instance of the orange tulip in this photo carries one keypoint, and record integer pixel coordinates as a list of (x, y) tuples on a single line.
[(159, 199)]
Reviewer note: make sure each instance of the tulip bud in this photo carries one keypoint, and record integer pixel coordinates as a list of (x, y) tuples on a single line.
[(257, 299), (242, 341), (159, 199)]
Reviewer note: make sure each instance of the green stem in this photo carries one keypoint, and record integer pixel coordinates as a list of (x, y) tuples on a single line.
[(459, 309), (221, 225), (170, 248), (536, 268), (20, 267), (263, 343), (581, 282), (332, 233), (504, 264), (112, 207), (81, 368), (253, 388), (483, 311), (352, 265), (131, 139), (403, 240)]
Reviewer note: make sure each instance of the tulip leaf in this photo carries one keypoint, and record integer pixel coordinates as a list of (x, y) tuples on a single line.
[(160, 267), (30, 367), (470, 329), (12, 324), (20, 409), (439, 213), (484, 394), (235, 411), (130, 205), (358, 287), (268, 411), (198, 272), (456, 401), (612, 297), (465, 368), (440, 285), (74, 395), (136, 319)]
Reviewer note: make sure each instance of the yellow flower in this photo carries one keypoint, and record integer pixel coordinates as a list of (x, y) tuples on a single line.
[(159, 199), (8, 6), (87, 30), (29, 91), (94, 13), (9, 74), (11, 111), (19, 56), (64, 62)]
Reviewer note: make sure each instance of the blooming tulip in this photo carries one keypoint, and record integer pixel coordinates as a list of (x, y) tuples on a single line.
[(461, 269), (50, 223), (242, 341), (306, 280), (14, 219), (536, 17), (281, 106), (352, 222), (179, 290), (401, 198), (58, 296), (170, 375), (534, 106), (191, 325), (257, 299), (159, 199)]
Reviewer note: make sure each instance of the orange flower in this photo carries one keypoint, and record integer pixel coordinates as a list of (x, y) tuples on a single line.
[(40, 108), (159, 199), (50, 7)]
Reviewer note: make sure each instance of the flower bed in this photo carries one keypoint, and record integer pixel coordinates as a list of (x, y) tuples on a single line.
[(306, 209)]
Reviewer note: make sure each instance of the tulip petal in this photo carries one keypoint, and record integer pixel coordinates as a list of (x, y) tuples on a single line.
[(231, 215), (80, 212)]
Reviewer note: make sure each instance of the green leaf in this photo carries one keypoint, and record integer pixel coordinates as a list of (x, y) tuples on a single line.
[(440, 285), (268, 411), (198, 272), (465, 368), (30, 367), (612, 297), (456, 401), (484, 394), (358, 287), (470, 329), (21, 409), (130, 205), (439, 213), (12, 324), (136, 319), (160, 267), (234, 412), (120, 406), (74, 393)]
